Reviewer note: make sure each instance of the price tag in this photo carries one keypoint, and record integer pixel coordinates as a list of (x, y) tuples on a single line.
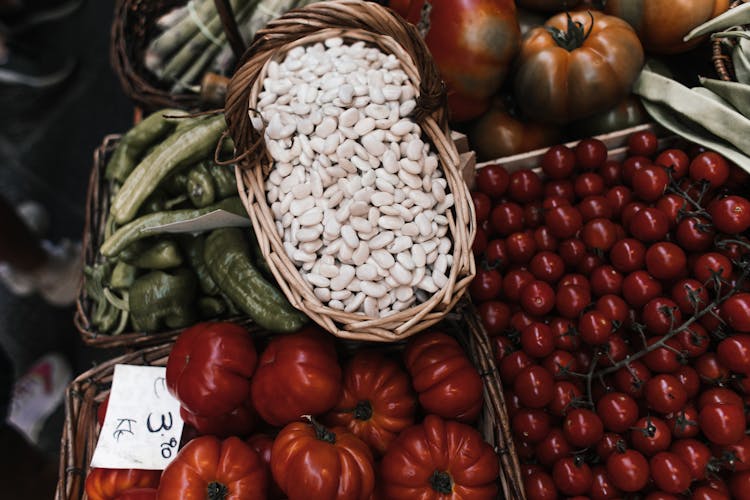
[(143, 427)]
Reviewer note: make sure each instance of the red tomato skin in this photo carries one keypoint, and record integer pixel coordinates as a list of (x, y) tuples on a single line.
[(618, 411), (108, 484), (628, 470), (670, 472), (583, 428), (731, 214), (736, 311), (572, 478), (722, 424)]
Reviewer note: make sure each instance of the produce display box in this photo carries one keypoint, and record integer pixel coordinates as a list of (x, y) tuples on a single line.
[(88, 390)]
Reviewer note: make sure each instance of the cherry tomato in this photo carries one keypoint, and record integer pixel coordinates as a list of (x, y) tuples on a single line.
[(547, 266), (613, 307), (558, 162), (631, 165), (629, 211), (486, 285), (719, 395), (497, 254), (590, 153), (599, 234), (608, 444), (649, 224), (676, 160), (501, 347), (479, 245), (695, 454), (665, 394), (666, 261), (660, 315), (545, 242), (684, 423), (690, 296), (650, 435), (563, 221), (560, 364), (495, 317), (525, 186), (482, 205), (533, 214), (582, 427), (639, 287), (594, 327), (537, 298), (521, 247), (710, 167), (537, 340), (710, 369), (649, 183), (663, 359), (631, 380), (572, 476), (695, 234), (643, 143), (734, 353), (628, 470), (530, 425), (493, 180), (618, 197), (561, 191), (534, 386), (708, 493), (595, 206), (731, 215), (572, 251), (552, 447), (513, 364), (739, 485), (689, 380), (540, 486), (669, 472), (736, 312), (722, 424), (507, 218), (737, 456), (513, 283), (611, 172), (618, 411), (588, 184), (628, 255), (564, 394)]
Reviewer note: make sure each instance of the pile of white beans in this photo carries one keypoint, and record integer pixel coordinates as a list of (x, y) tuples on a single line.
[(356, 194)]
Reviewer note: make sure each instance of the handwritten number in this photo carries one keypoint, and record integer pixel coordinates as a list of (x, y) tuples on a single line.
[(159, 385), (164, 425), (166, 448)]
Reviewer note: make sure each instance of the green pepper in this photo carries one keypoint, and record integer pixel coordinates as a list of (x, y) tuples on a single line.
[(154, 203), (200, 186), (175, 184), (227, 255), (164, 254), (105, 315), (211, 307), (258, 257), (160, 299), (123, 276), (226, 183), (193, 248)]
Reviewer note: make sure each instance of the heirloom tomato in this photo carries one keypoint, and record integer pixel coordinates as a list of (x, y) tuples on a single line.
[(238, 422), (262, 444), (109, 484), (548, 5), (138, 494)]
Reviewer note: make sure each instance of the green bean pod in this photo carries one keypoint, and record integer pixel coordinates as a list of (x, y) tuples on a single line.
[(736, 94), (200, 186)]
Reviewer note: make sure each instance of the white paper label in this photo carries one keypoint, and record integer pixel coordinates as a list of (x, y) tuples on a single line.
[(143, 427), (212, 220)]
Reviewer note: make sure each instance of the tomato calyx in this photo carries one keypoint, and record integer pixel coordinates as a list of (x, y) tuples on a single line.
[(574, 36), (216, 491), (321, 432), (441, 482), (363, 410)]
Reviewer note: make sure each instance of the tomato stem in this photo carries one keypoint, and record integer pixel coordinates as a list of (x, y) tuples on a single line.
[(216, 491), (321, 432), (572, 38), (441, 482), (363, 410)]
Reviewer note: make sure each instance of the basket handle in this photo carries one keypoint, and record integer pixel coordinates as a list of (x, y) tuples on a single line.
[(229, 23)]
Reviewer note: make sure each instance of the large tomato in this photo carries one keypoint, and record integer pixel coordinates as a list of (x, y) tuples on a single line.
[(575, 66), (238, 422), (212, 469), (473, 43), (210, 366), (138, 494), (440, 459), (298, 374), (311, 461), (377, 402), (628, 113), (548, 5), (661, 24), (447, 383), (108, 484)]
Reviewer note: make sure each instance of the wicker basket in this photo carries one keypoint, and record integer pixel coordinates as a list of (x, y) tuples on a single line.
[(376, 25), (720, 53), (84, 394), (97, 210)]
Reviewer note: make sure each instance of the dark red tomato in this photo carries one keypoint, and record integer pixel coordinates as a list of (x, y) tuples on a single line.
[(559, 190), (631, 165), (482, 205), (565, 334), (501, 347), (520, 320), (534, 386), (722, 424), (629, 211), (719, 395), (591, 153), (628, 255), (547, 266), (649, 183), (689, 380), (533, 214), (513, 364), (560, 364), (479, 245), (618, 197), (552, 447), (695, 234), (605, 280), (497, 254), (671, 205), (529, 469), (595, 206), (739, 485), (660, 315), (521, 247), (572, 476), (530, 425), (525, 186), (558, 162), (695, 454), (602, 487), (537, 298), (514, 282), (717, 483), (666, 261), (571, 300), (734, 353), (628, 470), (537, 340), (710, 369), (572, 251), (583, 358), (650, 435), (676, 160), (607, 445), (707, 493), (631, 380), (493, 180), (617, 410), (540, 486), (588, 184), (512, 403), (564, 394), (665, 394), (524, 450), (486, 285), (710, 167), (616, 348), (734, 248), (649, 224), (495, 317), (643, 143), (599, 234), (690, 296), (507, 218), (613, 307), (669, 472), (731, 215), (582, 427), (564, 222), (639, 287), (611, 172), (736, 312), (737, 456), (663, 359), (594, 327), (684, 423), (545, 242), (574, 279)]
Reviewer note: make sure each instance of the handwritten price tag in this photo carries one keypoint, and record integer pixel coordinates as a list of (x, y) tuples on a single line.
[(143, 427)]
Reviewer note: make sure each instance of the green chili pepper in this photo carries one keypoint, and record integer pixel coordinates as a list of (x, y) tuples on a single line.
[(159, 299), (193, 248), (134, 143), (123, 275), (132, 250), (139, 228), (226, 183), (227, 256), (104, 316), (257, 255), (211, 307), (164, 254), (175, 184), (178, 150), (200, 186)]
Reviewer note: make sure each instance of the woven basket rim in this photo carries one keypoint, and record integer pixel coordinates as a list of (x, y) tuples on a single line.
[(279, 37)]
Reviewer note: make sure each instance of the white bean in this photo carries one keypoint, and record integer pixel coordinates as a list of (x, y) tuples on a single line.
[(346, 274)]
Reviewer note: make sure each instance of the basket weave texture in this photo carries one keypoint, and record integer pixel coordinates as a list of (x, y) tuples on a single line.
[(720, 55), (80, 431), (378, 26)]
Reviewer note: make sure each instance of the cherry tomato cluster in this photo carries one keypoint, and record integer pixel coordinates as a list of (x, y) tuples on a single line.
[(616, 297)]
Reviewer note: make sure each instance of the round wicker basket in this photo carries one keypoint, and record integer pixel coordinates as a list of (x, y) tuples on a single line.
[(720, 53), (378, 26)]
